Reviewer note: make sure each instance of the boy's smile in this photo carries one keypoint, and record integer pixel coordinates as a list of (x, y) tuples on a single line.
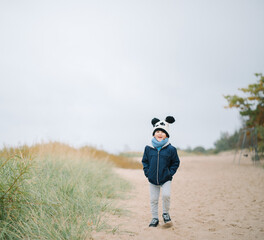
[(160, 135)]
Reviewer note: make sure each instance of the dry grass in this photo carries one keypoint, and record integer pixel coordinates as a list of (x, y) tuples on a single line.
[(61, 150)]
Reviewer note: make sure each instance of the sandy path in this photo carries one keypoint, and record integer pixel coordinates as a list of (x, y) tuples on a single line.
[(212, 198)]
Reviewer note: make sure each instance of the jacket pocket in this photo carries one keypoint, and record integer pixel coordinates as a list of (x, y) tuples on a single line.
[(168, 174), (164, 175)]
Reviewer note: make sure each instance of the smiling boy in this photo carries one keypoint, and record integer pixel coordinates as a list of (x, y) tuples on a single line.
[(160, 162)]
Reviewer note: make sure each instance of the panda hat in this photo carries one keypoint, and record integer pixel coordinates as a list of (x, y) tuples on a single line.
[(162, 125)]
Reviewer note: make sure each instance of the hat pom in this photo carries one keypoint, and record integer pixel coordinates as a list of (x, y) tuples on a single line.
[(170, 119), (154, 121)]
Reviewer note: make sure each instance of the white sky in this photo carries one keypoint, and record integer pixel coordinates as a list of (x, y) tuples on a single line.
[(97, 72)]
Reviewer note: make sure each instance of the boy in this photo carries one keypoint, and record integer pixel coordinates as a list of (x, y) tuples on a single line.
[(160, 162)]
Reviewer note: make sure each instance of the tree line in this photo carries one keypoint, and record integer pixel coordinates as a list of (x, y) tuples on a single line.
[(251, 109)]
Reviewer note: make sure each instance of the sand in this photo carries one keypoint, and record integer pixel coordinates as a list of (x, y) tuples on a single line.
[(212, 198)]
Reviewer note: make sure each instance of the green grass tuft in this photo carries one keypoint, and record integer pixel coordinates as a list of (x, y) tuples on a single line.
[(48, 198)]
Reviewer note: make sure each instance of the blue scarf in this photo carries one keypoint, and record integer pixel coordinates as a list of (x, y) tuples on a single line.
[(157, 144)]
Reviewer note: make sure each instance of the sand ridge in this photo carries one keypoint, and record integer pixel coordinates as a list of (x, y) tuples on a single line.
[(212, 198)]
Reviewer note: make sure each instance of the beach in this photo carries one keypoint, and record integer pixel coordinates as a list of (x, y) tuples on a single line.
[(211, 198)]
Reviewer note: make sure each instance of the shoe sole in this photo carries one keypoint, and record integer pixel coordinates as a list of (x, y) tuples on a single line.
[(154, 226), (167, 225)]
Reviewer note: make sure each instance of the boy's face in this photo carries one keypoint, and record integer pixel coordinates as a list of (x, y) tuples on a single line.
[(160, 135)]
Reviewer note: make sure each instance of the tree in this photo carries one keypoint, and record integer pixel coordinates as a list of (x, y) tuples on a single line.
[(251, 107), (199, 149), (226, 141)]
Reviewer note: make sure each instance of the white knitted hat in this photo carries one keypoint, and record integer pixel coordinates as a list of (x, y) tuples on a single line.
[(162, 125)]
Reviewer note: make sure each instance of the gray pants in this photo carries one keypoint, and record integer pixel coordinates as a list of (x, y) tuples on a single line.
[(154, 198)]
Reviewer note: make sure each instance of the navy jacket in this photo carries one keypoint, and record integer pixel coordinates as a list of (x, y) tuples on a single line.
[(160, 166)]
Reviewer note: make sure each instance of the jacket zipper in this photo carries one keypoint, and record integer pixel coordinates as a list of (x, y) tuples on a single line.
[(158, 168)]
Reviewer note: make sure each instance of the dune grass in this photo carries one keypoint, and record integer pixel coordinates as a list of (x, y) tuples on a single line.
[(59, 150), (53, 191)]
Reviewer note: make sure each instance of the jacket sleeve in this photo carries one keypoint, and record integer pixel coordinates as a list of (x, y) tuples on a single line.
[(175, 162), (145, 162)]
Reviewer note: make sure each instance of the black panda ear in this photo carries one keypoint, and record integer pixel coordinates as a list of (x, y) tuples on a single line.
[(154, 121), (170, 119)]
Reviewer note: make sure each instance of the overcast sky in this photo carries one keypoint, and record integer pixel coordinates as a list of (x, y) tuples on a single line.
[(96, 72)]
